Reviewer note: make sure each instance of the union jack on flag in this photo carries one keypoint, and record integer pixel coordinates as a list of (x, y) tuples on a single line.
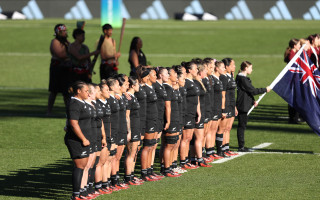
[(300, 88), (309, 72)]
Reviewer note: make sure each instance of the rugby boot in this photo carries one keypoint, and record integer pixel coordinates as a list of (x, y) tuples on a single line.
[(190, 166)]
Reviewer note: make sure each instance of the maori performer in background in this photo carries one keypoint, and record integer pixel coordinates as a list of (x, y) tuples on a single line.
[(109, 56), (60, 66)]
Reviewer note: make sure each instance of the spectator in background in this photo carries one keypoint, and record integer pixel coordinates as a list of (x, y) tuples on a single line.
[(109, 55), (136, 55), (292, 49), (80, 57), (314, 50), (59, 67)]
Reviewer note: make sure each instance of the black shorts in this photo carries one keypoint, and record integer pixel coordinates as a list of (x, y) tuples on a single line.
[(208, 117), (190, 122), (99, 144), (76, 149), (173, 127), (93, 147), (160, 125), (231, 111), (217, 114), (121, 139), (200, 125), (108, 145), (114, 135), (143, 127), (151, 126)]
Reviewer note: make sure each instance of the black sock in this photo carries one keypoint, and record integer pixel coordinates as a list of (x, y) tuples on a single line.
[(162, 167), (182, 162), (167, 170), (200, 160), (219, 140), (144, 172), (149, 171), (174, 164), (118, 178), (227, 147), (82, 192), (113, 180), (76, 180), (105, 185), (98, 185), (127, 178)]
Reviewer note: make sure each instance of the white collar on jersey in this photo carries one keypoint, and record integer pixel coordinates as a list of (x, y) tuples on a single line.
[(94, 101), (112, 96), (149, 86), (159, 83), (228, 75), (241, 74), (119, 96), (189, 79), (82, 101), (103, 101), (215, 76), (167, 84)]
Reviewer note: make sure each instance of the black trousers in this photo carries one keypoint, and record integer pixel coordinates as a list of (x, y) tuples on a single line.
[(242, 124)]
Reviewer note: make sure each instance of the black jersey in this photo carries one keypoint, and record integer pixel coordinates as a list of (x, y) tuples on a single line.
[(142, 99), (183, 93), (79, 110), (173, 96), (218, 88), (224, 79), (191, 97), (134, 107), (152, 110), (202, 96), (114, 105), (207, 85), (106, 117), (122, 115), (212, 92), (161, 95), (231, 87)]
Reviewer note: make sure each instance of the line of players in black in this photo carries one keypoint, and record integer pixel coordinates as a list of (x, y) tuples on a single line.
[(190, 108)]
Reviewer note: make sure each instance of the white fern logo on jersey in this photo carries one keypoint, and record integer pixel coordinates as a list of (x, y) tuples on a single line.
[(155, 11), (239, 12), (79, 11), (278, 12), (314, 12)]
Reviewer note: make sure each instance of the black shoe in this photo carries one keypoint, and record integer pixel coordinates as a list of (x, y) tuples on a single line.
[(244, 149), (222, 154)]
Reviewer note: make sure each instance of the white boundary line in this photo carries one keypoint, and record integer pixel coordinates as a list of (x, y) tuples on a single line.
[(260, 146)]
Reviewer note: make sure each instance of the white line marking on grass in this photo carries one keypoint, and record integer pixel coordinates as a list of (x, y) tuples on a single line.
[(260, 146)]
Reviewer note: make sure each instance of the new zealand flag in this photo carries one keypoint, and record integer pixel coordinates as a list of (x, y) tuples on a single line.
[(300, 87)]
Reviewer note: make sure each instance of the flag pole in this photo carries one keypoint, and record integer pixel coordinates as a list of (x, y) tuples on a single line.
[(282, 73)]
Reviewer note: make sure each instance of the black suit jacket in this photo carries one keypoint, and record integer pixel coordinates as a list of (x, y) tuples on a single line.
[(245, 93)]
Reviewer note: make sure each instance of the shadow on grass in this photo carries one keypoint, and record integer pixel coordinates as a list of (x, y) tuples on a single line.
[(52, 181), (29, 103)]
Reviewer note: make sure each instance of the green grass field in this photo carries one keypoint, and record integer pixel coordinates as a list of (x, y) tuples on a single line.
[(35, 163)]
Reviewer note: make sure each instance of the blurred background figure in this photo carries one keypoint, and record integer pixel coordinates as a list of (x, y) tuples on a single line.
[(136, 55)]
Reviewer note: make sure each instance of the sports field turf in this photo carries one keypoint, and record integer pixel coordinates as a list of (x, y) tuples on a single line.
[(35, 163)]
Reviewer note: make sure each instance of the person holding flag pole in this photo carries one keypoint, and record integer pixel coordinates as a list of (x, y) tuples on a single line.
[(299, 85), (245, 99)]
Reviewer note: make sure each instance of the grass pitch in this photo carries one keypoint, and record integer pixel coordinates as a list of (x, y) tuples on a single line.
[(34, 160)]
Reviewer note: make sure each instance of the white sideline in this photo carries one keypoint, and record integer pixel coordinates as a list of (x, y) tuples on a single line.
[(260, 146)]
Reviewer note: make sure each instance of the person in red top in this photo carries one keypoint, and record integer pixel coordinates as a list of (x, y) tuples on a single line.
[(314, 50), (292, 49)]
